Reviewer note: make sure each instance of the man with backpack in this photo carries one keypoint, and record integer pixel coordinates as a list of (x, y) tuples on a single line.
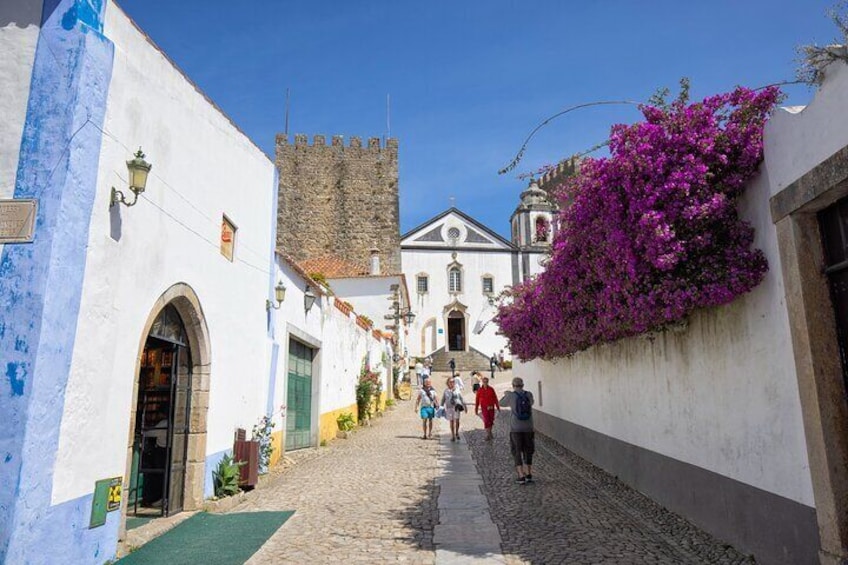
[(521, 441)]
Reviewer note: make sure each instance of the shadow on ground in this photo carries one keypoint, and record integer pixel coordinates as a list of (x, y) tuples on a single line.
[(577, 513)]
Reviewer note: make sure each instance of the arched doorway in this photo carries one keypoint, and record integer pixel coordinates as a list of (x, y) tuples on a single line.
[(166, 456), (163, 404), (456, 331), (428, 337)]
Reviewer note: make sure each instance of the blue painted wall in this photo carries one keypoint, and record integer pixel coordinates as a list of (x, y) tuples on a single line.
[(41, 286), (212, 464)]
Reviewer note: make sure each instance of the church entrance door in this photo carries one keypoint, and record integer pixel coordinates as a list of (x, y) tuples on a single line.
[(456, 331)]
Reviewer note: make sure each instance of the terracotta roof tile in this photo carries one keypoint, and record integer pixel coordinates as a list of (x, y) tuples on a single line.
[(301, 271), (332, 266)]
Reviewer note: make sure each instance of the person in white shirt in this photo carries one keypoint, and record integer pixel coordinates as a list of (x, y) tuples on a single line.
[(454, 407), (419, 372)]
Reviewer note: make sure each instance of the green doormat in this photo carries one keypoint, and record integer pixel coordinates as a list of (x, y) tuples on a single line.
[(134, 522), (210, 539)]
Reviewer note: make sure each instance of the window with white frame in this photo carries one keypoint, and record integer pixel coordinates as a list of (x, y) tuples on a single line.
[(488, 285), (422, 284), (454, 280)]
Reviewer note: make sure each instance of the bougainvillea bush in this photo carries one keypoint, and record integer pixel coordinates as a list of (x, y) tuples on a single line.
[(653, 232)]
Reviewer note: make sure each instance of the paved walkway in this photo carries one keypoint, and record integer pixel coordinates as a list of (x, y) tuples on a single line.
[(387, 496)]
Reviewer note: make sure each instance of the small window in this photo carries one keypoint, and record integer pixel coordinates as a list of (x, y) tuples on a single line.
[(423, 284), (228, 238), (455, 280), (453, 233), (488, 285)]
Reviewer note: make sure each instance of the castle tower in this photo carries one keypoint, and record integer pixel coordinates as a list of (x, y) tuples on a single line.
[(339, 199)]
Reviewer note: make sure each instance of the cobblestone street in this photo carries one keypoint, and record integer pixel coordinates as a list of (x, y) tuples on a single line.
[(374, 498), (577, 513), (367, 499)]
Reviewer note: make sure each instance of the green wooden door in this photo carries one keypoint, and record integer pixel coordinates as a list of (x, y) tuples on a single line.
[(299, 400)]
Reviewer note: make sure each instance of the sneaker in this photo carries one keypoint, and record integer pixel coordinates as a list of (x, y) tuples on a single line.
[(521, 481), (529, 479)]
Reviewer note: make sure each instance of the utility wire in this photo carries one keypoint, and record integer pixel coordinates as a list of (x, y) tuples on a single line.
[(523, 148)]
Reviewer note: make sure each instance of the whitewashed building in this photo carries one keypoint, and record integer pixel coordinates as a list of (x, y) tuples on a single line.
[(139, 320), (738, 421), (458, 267), (319, 347)]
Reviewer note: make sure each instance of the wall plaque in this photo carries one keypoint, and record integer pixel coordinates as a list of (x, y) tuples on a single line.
[(17, 218)]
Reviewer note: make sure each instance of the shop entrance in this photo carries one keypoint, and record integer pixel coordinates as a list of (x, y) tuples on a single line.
[(158, 472)]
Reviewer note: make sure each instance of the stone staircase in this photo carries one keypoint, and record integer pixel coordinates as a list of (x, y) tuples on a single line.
[(466, 361)]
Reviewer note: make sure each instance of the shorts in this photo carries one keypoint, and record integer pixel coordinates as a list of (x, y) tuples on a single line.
[(427, 412), (522, 446)]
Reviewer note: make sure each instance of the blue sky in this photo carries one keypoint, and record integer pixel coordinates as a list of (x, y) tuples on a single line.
[(469, 79)]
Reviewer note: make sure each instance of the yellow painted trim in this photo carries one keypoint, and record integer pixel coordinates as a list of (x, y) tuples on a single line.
[(277, 447), (327, 426)]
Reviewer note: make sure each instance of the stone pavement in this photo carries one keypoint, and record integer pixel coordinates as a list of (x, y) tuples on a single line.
[(465, 532), (367, 499), (387, 496), (575, 512)]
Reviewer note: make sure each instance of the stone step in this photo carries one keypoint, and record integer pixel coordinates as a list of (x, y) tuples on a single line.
[(466, 361)]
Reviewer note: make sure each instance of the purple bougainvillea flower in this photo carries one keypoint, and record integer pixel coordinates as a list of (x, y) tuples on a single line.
[(651, 232)]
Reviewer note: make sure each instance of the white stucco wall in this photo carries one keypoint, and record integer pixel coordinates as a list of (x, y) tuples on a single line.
[(370, 296), (340, 345), (799, 139), (475, 264), (203, 167), (721, 394), (19, 27)]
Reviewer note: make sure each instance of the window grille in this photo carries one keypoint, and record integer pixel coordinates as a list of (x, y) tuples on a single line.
[(423, 284)]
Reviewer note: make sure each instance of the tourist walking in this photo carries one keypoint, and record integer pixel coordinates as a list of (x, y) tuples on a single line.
[(493, 363), (485, 404), (454, 407), (460, 386), (476, 381), (425, 404), (419, 372), (521, 442)]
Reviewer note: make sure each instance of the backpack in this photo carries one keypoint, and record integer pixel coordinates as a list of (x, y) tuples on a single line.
[(523, 408)]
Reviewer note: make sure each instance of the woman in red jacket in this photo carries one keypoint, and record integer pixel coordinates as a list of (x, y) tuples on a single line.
[(487, 401)]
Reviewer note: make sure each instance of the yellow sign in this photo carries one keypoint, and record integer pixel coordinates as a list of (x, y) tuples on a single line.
[(113, 502)]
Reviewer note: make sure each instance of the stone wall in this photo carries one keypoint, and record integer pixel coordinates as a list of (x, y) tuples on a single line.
[(551, 181), (339, 199)]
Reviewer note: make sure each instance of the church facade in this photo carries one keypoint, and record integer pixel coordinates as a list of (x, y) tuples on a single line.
[(458, 268)]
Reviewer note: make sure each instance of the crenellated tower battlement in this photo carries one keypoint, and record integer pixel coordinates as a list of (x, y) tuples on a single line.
[(338, 141), (339, 198)]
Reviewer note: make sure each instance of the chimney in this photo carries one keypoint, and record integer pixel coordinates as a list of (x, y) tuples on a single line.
[(375, 261)]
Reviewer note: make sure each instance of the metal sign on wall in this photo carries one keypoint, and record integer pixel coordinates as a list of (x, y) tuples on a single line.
[(17, 219), (107, 498)]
